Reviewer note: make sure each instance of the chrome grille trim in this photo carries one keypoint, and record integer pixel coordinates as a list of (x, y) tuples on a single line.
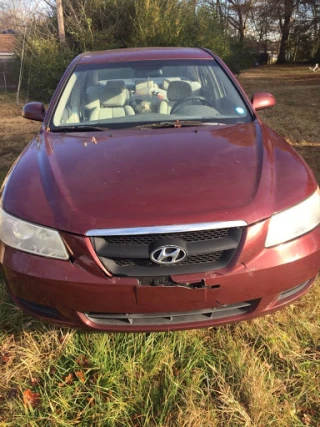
[(165, 228)]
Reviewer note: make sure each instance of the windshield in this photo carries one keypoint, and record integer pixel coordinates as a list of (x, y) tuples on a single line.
[(129, 94)]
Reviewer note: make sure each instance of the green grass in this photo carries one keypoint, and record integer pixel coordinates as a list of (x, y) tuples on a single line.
[(259, 373)]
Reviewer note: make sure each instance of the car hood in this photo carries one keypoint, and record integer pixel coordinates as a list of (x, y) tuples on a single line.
[(145, 177)]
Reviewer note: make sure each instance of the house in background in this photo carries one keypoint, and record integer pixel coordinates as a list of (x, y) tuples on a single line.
[(263, 53), (7, 56)]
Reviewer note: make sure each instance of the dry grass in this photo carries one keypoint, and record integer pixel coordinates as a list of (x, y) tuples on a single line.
[(15, 132), (297, 114), (259, 373)]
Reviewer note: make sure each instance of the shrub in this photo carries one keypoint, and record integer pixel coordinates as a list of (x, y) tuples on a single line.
[(43, 64), (106, 24)]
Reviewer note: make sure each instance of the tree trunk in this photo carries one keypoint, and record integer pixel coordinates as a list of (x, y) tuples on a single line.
[(285, 30), (220, 13), (242, 11), (62, 35), (282, 57), (242, 26)]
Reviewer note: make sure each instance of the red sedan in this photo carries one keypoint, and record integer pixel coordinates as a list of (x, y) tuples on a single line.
[(155, 199)]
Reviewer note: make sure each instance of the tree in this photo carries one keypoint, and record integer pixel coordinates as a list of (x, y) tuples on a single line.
[(16, 14), (285, 9), (62, 35), (239, 13)]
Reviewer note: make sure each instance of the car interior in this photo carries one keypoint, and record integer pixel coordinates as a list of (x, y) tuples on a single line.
[(109, 94)]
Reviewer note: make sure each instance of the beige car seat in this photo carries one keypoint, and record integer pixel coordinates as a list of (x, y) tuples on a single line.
[(176, 90), (111, 102)]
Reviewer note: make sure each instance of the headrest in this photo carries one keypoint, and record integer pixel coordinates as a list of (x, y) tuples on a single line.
[(146, 86), (178, 90), (112, 97), (93, 78), (168, 80), (195, 86), (119, 84)]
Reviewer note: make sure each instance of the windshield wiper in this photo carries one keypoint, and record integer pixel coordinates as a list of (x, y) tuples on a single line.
[(177, 124), (78, 128)]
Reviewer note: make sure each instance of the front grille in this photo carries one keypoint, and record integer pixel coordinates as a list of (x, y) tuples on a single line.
[(196, 259), (158, 319), (129, 255), (190, 236)]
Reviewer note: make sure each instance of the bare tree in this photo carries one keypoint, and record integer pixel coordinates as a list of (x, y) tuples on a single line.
[(285, 9), (239, 14), (14, 14), (62, 35), (315, 7)]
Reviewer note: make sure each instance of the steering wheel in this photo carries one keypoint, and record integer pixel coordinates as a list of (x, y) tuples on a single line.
[(187, 99)]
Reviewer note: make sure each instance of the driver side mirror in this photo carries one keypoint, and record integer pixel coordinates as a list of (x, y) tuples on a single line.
[(34, 111), (263, 100)]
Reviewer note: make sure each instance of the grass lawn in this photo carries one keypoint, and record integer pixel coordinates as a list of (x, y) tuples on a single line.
[(265, 372)]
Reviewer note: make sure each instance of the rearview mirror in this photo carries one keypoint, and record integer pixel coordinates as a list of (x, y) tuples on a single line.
[(262, 100), (34, 111)]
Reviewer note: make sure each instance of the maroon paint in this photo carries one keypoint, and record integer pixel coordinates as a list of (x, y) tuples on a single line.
[(236, 172), (34, 111), (262, 100), (236, 177)]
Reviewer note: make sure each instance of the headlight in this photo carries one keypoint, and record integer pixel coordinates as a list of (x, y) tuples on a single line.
[(31, 238), (295, 221)]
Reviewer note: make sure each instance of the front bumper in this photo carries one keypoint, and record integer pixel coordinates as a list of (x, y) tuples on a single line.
[(78, 293)]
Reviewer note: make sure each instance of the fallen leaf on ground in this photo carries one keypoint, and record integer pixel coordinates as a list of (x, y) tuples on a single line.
[(68, 380), (82, 361), (91, 401), (30, 398), (53, 370), (81, 376), (5, 358)]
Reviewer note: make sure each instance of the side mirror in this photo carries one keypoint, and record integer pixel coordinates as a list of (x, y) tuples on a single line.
[(34, 111), (262, 100)]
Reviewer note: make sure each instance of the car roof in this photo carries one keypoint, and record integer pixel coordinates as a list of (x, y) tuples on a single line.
[(144, 54)]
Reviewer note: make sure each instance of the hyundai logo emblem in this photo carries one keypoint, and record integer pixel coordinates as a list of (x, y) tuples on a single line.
[(168, 255)]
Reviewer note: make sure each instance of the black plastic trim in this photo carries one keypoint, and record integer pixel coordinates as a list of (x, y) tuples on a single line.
[(39, 309), (292, 291), (205, 251), (171, 318)]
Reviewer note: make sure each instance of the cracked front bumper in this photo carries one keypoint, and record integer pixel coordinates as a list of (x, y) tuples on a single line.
[(80, 294)]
